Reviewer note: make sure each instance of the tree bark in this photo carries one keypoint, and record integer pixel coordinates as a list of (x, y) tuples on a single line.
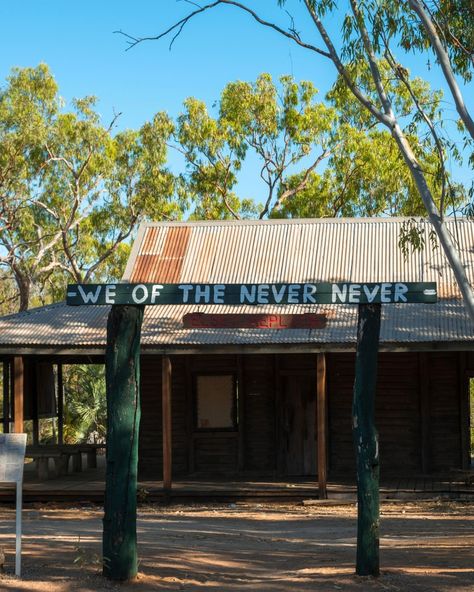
[(366, 440), (445, 63), (436, 219), (23, 283), (123, 419)]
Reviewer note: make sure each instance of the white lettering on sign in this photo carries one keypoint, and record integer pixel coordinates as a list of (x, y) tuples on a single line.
[(293, 293), (202, 293), (110, 293), (339, 293), (219, 293), (371, 294), (247, 295), (400, 291), (354, 293), (89, 295), (136, 297), (186, 288), (155, 292), (263, 292), (385, 292), (357, 293), (308, 293), (252, 294), (278, 294)]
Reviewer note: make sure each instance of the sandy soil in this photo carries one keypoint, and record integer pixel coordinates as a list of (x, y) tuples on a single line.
[(425, 547)]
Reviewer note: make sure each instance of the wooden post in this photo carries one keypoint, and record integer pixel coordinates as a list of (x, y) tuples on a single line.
[(123, 420), (33, 394), (189, 413), (60, 405), (322, 425), (277, 415), (6, 397), (425, 412), (464, 411), (167, 424), (366, 440), (18, 376), (240, 412)]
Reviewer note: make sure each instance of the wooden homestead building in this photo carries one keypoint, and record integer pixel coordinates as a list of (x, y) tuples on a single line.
[(254, 395)]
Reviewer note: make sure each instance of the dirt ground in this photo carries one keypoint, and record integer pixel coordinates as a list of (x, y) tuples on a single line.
[(425, 546)]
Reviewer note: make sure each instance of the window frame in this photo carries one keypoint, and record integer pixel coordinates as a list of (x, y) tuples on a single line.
[(234, 412)]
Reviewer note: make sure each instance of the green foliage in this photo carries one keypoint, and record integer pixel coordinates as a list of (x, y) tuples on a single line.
[(291, 134), (280, 125), (72, 193), (85, 410)]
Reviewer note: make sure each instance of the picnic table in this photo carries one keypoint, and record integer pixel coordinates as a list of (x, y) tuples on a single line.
[(62, 454)]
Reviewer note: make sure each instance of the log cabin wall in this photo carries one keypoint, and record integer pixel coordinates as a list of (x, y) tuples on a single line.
[(417, 431)]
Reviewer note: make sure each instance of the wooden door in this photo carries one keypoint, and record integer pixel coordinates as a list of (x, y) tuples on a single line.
[(298, 432)]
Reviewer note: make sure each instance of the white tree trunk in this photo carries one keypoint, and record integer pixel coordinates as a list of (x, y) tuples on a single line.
[(436, 219)]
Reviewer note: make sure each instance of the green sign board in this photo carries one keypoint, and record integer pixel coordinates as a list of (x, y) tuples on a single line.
[(252, 294)]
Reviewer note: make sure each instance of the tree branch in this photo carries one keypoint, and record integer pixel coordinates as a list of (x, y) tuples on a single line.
[(178, 27), (445, 64)]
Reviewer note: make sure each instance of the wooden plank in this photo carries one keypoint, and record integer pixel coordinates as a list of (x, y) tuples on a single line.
[(60, 405), (322, 425), (366, 441), (252, 294), (464, 411), (6, 397), (425, 411), (167, 425), (18, 401)]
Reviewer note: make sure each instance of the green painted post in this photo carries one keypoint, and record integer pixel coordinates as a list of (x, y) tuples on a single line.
[(366, 440), (123, 419)]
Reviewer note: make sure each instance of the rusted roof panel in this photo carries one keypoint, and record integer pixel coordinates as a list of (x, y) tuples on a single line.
[(357, 250), (361, 250)]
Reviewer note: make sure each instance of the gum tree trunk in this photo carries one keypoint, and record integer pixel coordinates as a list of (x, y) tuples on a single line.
[(366, 440), (123, 419)]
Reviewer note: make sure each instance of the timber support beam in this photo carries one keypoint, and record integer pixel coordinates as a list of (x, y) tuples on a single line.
[(6, 397), (167, 423), (366, 441), (322, 425), (123, 420), (18, 395)]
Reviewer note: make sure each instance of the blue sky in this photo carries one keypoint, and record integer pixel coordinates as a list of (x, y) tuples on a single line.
[(77, 41)]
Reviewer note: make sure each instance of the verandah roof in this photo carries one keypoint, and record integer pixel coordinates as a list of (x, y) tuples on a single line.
[(357, 250)]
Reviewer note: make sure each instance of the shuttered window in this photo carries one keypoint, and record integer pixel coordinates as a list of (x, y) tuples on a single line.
[(215, 402)]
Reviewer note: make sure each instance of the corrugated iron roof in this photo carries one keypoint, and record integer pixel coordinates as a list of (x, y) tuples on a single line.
[(60, 326), (357, 250)]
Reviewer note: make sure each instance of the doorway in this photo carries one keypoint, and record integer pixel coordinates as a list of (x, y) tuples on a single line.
[(298, 432)]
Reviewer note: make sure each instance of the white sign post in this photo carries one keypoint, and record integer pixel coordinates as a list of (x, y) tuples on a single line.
[(12, 460)]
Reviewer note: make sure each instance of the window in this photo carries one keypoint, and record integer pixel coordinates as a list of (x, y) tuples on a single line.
[(216, 402)]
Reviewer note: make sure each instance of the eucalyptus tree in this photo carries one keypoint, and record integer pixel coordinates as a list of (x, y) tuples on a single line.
[(72, 192), (315, 158), (367, 54), (280, 126)]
